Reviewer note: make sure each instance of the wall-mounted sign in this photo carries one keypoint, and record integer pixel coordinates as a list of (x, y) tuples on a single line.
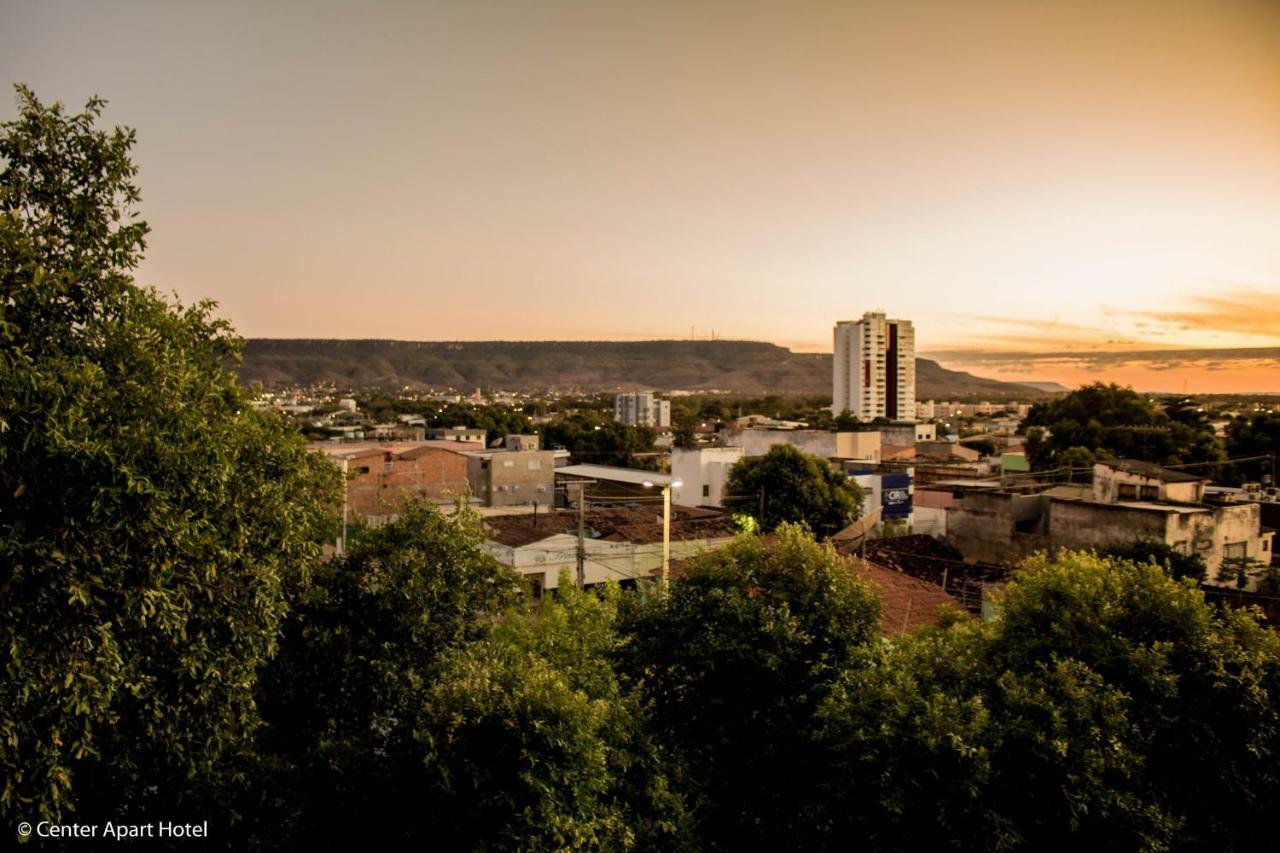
[(895, 495)]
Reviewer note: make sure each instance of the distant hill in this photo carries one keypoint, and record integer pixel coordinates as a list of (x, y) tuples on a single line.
[(747, 367), (1051, 387)]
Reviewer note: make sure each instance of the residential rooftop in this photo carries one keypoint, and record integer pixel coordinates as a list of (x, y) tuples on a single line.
[(613, 525), (634, 476), (352, 449), (1152, 471)]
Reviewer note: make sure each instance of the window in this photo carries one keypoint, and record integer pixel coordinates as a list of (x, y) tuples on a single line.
[(363, 469), (1127, 492), (507, 463), (535, 464), (706, 490), (1235, 551), (388, 467), (484, 464)]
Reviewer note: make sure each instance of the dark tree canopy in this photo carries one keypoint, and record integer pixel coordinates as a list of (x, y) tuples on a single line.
[(357, 658), (1112, 422), (1108, 708), (149, 518), (495, 420), (1176, 563), (735, 662), (599, 440), (796, 487), (1254, 435)]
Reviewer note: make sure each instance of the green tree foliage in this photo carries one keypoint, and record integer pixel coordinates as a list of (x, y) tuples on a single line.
[(1177, 564), (357, 660), (1075, 458), (1109, 707), (984, 446), (1254, 435), (845, 422), (797, 487), (495, 420), (734, 664), (599, 440), (1112, 422), (685, 432), (533, 744), (149, 519)]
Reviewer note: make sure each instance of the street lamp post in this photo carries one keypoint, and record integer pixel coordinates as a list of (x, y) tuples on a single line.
[(666, 528)]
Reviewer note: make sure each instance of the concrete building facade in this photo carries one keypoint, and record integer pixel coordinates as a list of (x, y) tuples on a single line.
[(1128, 502), (512, 477), (464, 434), (864, 446), (903, 433), (874, 368), (642, 408)]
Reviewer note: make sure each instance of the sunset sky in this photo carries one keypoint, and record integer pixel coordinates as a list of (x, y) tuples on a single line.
[(1037, 185)]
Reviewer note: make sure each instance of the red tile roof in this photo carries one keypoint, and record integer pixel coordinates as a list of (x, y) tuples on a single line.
[(908, 603)]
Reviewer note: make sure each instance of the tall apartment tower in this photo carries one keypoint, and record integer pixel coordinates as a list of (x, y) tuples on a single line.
[(874, 368), (642, 409)]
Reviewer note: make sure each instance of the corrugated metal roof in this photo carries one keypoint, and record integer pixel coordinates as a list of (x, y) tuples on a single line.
[(617, 475)]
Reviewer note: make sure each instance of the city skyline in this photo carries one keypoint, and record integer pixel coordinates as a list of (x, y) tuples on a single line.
[(553, 171)]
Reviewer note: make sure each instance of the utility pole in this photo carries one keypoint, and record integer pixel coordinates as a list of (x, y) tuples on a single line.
[(582, 532), (582, 537), (666, 537)]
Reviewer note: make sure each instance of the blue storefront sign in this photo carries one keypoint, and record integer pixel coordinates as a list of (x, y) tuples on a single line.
[(895, 495)]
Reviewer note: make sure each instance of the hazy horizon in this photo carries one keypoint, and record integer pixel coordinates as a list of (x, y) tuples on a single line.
[(1032, 185), (1175, 369)]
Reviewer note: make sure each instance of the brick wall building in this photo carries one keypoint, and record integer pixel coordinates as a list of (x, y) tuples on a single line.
[(381, 476)]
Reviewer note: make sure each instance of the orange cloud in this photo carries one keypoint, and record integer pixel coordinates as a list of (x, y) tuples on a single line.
[(1244, 310)]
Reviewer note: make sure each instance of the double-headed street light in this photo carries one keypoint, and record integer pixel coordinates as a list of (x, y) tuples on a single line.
[(666, 526)]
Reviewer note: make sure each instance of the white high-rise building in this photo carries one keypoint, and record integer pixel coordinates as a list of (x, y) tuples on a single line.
[(874, 368), (642, 409)]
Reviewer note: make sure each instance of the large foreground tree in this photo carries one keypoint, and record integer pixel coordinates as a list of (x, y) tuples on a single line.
[(534, 744), (734, 664), (149, 518), (359, 654), (1109, 707)]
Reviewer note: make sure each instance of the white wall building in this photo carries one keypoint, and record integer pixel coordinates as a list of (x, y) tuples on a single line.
[(703, 472), (642, 409), (874, 368)]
